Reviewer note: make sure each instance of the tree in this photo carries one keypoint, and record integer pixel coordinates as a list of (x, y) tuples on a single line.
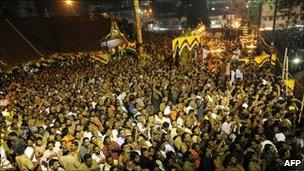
[(286, 7), (196, 11)]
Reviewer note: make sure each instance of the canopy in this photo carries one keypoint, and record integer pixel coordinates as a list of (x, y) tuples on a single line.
[(114, 38), (188, 40), (27, 39)]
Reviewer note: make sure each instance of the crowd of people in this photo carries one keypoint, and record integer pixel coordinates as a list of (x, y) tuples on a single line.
[(80, 114)]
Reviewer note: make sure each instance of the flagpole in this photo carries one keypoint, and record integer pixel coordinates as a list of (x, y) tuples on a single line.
[(302, 107), (284, 64), (286, 75)]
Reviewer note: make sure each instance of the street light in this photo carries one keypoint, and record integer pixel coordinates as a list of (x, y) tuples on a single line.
[(296, 60), (69, 2)]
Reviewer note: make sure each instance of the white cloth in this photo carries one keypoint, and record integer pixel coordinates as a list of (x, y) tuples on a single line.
[(121, 97), (164, 119), (187, 130), (94, 104), (167, 110), (57, 145), (233, 80), (4, 102), (205, 53), (280, 137), (188, 109), (226, 128), (120, 141), (173, 132), (141, 127), (114, 134), (180, 122), (29, 152), (239, 74), (87, 134), (4, 163), (99, 157), (169, 148), (267, 142), (245, 105), (2, 153), (160, 165)]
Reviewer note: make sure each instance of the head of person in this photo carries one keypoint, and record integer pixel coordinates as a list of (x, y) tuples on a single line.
[(20, 151), (254, 157), (30, 142), (50, 145), (74, 145), (65, 151), (64, 144), (86, 142), (135, 156), (233, 161), (96, 149), (88, 160), (130, 165), (54, 164), (39, 141), (145, 152), (107, 140), (13, 135), (126, 148)]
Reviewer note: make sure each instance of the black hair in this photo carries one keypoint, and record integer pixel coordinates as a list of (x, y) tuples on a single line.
[(166, 125), (65, 151), (85, 138), (20, 150), (133, 154), (75, 143), (12, 134), (52, 161), (39, 138), (50, 142)]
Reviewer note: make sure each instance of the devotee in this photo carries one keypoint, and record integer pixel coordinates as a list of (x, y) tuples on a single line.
[(126, 115)]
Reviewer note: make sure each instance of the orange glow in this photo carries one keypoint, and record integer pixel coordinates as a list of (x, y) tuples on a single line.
[(69, 2)]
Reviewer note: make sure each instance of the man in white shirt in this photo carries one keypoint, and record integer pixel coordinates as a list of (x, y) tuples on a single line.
[(239, 74), (98, 156), (30, 150), (226, 126), (4, 163)]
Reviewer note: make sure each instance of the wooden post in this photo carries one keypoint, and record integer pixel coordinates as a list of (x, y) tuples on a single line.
[(302, 107), (286, 75), (138, 29), (284, 63)]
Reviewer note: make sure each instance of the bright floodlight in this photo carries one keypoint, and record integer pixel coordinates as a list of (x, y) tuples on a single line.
[(296, 60), (69, 2)]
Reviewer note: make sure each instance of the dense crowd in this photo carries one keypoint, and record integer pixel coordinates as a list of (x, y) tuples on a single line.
[(127, 115)]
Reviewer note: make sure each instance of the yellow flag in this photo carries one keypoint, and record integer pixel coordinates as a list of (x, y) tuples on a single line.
[(290, 83)]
